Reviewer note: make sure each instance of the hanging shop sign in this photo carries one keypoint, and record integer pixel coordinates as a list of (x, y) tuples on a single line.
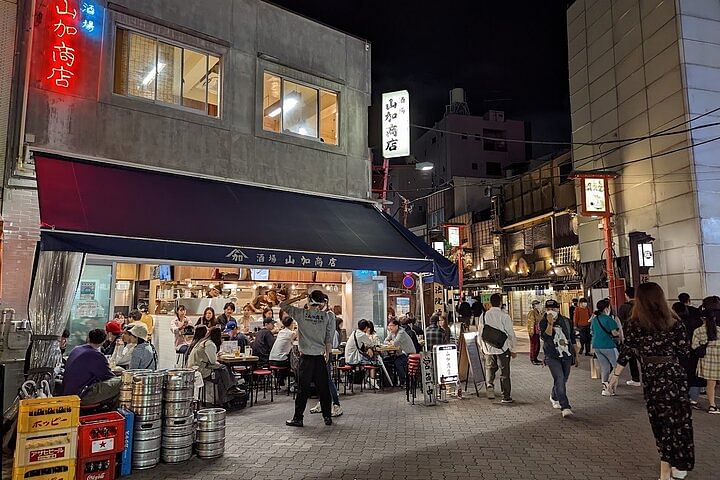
[(454, 236), (595, 195), (396, 124)]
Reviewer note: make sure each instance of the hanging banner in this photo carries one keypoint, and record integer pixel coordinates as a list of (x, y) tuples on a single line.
[(396, 124)]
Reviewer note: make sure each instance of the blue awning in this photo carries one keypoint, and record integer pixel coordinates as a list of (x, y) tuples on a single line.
[(132, 212)]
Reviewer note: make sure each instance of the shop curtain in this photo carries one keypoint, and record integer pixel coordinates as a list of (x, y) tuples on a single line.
[(593, 273), (56, 280)]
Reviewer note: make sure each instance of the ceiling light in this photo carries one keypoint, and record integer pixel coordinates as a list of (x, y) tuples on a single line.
[(151, 76)]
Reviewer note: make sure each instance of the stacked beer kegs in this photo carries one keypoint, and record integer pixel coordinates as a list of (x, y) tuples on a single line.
[(126, 388), (178, 427), (146, 403), (210, 433)]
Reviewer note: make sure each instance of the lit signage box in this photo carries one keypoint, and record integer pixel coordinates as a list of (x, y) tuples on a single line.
[(646, 257), (595, 200), (454, 236), (439, 247), (396, 124)]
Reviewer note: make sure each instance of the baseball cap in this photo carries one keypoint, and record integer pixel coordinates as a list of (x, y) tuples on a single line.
[(113, 327), (535, 302), (139, 330), (551, 303)]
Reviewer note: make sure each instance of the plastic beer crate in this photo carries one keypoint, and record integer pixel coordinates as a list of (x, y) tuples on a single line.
[(43, 414), (96, 468), (46, 447), (64, 470), (101, 434)]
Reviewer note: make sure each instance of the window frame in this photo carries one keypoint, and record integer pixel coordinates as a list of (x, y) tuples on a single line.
[(184, 46), (283, 78)]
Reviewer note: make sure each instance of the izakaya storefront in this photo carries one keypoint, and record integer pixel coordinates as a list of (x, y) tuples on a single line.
[(97, 214)]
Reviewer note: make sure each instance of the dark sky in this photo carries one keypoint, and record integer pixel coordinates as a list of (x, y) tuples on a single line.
[(507, 55)]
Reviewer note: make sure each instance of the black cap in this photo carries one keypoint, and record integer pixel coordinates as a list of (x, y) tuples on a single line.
[(268, 320), (551, 303)]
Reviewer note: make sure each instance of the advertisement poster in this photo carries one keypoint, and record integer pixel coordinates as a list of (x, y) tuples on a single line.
[(87, 289)]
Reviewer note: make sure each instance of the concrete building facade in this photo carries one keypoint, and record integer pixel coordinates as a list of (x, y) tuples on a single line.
[(216, 88), (651, 69)]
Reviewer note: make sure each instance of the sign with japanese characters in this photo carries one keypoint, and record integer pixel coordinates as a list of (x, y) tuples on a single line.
[(427, 382), (67, 51), (396, 124), (454, 236), (594, 196), (446, 364)]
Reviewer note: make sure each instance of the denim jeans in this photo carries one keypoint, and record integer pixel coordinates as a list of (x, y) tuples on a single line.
[(695, 393), (501, 362), (333, 388), (607, 358), (560, 371)]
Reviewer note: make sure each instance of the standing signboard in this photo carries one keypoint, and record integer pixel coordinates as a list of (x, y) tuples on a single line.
[(428, 380), (446, 364)]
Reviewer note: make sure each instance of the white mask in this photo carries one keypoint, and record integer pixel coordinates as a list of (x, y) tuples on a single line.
[(552, 313)]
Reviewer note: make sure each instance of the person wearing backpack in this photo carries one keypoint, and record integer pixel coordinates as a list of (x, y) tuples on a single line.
[(605, 334), (559, 345), (498, 341)]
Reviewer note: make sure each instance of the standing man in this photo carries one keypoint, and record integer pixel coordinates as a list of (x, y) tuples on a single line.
[(464, 311), (558, 336), (624, 313), (581, 320), (573, 306), (316, 329), (498, 357), (533, 326), (684, 298)]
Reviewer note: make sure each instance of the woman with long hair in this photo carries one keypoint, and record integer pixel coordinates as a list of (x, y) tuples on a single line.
[(208, 318), (657, 337), (200, 333), (707, 339), (604, 332), (204, 357)]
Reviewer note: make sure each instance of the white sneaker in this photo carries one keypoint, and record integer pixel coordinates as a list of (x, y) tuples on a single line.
[(678, 473), (336, 411), (316, 409), (566, 412), (633, 383), (555, 403)]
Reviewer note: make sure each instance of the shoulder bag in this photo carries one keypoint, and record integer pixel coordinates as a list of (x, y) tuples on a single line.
[(492, 336), (362, 349), (615, 338)]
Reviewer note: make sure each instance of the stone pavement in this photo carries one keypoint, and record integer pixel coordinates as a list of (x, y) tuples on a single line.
[(381, 436)]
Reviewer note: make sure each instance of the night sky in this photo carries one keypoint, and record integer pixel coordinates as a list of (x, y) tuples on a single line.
[(507, 55)]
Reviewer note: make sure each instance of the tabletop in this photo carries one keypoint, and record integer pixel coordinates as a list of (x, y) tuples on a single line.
[(232, 359)]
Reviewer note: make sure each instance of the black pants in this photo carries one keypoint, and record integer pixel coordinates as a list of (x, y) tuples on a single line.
[(313, 369), (634, 368), (585, 339), (401, 362)]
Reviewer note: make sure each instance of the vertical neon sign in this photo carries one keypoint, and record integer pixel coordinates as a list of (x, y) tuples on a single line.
[(69, 27)]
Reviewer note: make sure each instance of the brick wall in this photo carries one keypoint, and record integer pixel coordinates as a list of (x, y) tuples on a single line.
[(21, 233)]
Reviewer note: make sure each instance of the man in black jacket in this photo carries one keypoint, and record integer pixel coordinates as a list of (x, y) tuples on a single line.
[(559, 344), (464, 311)]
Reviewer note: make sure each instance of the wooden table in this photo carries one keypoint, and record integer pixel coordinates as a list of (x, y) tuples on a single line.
[(387, 348)]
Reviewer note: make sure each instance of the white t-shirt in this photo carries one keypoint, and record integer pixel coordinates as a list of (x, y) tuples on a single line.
[(282, 346)]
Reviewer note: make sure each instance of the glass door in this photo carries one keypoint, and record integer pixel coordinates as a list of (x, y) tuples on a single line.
[(92, 306)]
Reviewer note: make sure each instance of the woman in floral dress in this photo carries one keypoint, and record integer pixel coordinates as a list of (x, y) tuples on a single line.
[(658, 339)]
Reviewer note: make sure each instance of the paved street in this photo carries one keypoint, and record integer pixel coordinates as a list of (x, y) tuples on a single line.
[(381, 436)]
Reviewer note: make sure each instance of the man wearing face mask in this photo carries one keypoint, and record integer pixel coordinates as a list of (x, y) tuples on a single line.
[(533, 326), (558, 338), (581, 320)]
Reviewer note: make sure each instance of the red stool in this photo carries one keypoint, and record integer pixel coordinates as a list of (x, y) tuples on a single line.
[(263, 377), (413, 372), (276, 370), (347, 372)]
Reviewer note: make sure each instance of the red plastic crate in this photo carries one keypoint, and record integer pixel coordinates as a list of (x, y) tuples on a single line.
[(96, 468), (101, 434)]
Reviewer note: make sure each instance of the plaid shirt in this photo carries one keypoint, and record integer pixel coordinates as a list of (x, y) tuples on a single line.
[(434, 335)]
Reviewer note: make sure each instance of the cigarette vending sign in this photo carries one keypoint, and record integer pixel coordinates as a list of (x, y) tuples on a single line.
[(66, 46)]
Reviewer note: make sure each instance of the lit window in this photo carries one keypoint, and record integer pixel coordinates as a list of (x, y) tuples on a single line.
[(168, 74), (304, 110)]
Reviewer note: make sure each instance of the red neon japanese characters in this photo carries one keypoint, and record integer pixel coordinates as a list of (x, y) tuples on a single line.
[(64, 23)]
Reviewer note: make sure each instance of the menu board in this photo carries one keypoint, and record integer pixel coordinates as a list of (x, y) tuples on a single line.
[(446, 364)]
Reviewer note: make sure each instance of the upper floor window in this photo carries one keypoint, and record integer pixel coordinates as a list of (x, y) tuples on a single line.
[(565, 171), (498, 145), (150, 68), (304, 110)]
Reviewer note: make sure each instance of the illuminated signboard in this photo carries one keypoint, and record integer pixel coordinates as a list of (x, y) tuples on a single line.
[(68, 44), (439, 247), (454, 236), (396, 124), (645, 255), (595, 196)]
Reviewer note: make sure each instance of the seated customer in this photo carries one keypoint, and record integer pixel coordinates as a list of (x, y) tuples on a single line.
[(200, 333), (204, 356), (87, 373), (143, 355), (399, 338), (434, 335), (114, 331), (359, 347), (280, 352), (264, 340), (123, 350)]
